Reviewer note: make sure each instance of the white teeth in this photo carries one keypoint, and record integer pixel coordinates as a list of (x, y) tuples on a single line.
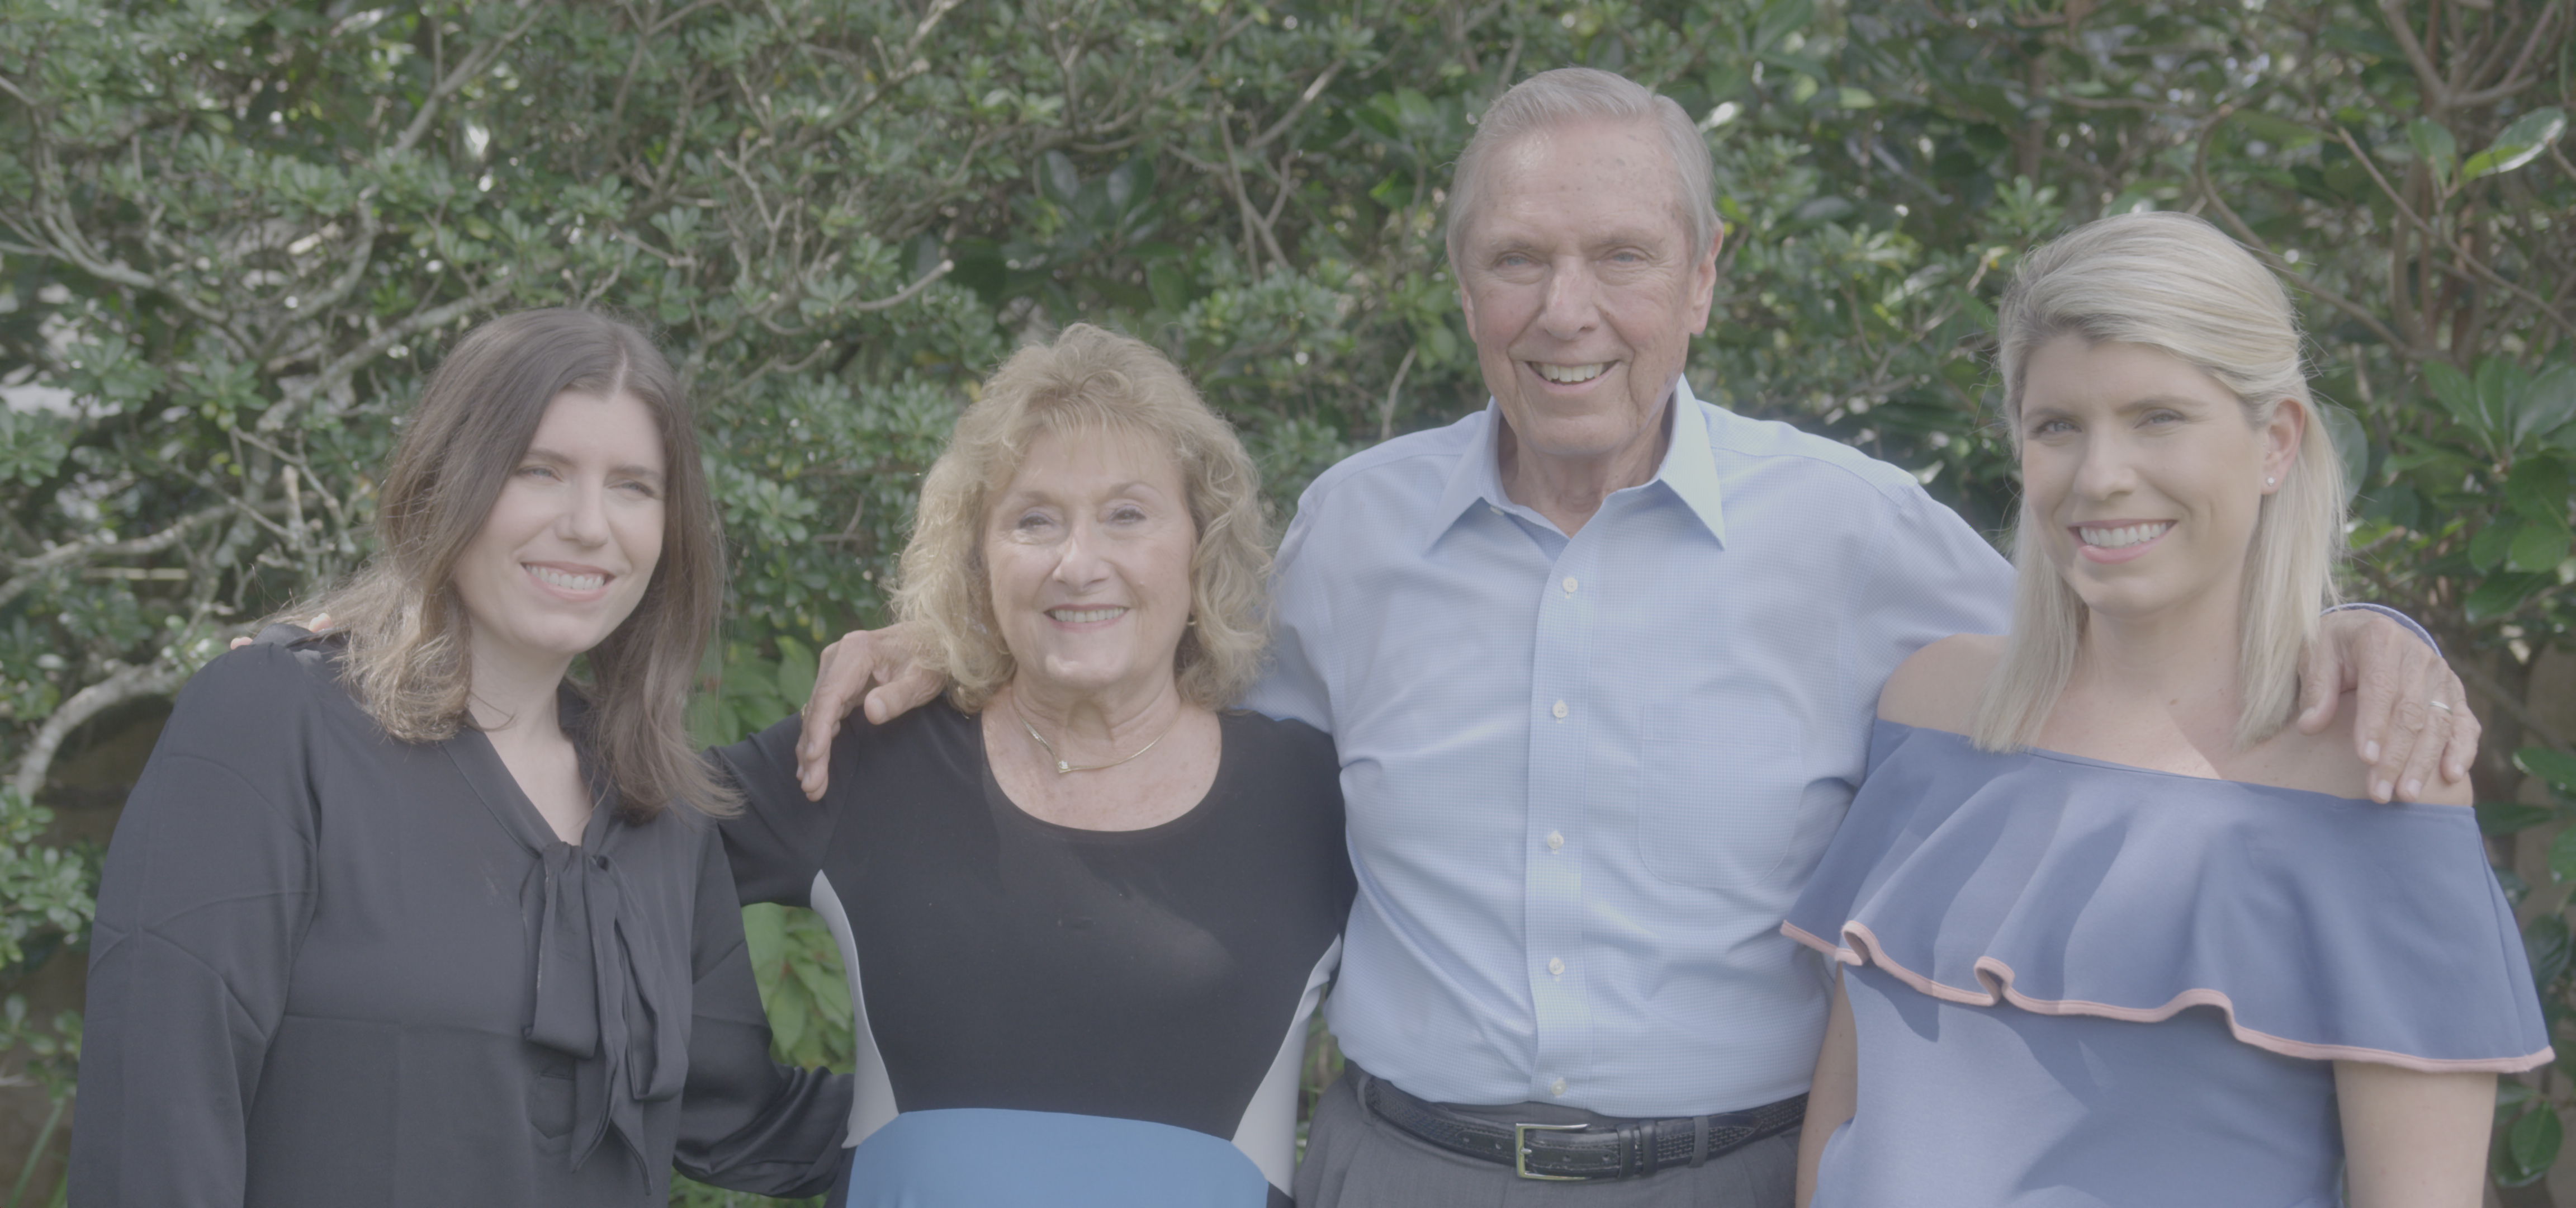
[(1570, 374), (1083, 616), (2125, 535), (556, 578)]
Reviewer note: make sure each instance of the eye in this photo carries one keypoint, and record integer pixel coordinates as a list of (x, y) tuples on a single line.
[(1030, 522), (638, 488), (538, 471), (2052, 426), (2160, 417), (1126, 513)]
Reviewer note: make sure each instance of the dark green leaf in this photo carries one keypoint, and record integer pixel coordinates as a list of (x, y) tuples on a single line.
[(2555, 768), (2492, 544), (2534, 1139), (2521, 143), (2544, 940), (2547, 402), (2538, 546), (2562, 856), (2506, 817), (2504, 592), (2434, 145)]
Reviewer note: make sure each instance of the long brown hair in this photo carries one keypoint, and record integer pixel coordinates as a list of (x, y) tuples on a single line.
[(408, 631)]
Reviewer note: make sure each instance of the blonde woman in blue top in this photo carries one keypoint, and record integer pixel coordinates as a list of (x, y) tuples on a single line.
[(2107, 930)]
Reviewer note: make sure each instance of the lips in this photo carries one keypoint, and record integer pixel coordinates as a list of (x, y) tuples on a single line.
[(1086, 616), (573, 580), (2118, 541), (2121, 536), (1570, 375)]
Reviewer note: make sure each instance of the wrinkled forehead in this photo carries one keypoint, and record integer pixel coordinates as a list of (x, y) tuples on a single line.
[(1595, 168)]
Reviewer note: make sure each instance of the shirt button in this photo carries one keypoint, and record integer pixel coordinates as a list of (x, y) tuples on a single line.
[(1556, 840), (1556, 965), (1561, 710), (1557, 1087), (1569, 585)]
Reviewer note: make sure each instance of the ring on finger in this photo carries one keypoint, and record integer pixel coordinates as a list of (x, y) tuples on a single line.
[(2439, 705)]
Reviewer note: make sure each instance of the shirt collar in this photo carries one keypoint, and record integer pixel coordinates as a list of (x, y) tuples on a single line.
[(1689, 470)]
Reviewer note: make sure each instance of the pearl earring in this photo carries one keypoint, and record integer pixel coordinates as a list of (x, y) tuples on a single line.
[(2270, 481)]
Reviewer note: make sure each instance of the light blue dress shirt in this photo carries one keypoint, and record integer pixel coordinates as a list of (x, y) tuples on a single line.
[(1587, 776)]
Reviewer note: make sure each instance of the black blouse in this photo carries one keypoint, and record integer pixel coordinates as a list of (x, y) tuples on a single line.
[(1002, 961), (332, 968)]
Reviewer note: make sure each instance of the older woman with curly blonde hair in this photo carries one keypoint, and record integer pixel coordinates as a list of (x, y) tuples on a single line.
[(1085, 911)]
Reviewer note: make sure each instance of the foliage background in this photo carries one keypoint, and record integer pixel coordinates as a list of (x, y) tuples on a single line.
[(234, 235)]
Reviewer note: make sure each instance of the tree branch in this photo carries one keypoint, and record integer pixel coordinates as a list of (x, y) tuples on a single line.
[(480, 58), (2209, 193), (155, 678), (27, 571)]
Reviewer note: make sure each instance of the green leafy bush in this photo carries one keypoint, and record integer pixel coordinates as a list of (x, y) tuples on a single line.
[(234, 234)]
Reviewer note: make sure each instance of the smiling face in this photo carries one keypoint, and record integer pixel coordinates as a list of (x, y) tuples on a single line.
[(1089, 548), (2143, 475), (573, 537), (1580, 286)]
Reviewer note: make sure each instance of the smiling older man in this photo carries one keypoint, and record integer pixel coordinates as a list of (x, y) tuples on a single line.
[(1600, 662)]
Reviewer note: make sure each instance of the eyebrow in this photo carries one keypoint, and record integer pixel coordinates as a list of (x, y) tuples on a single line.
[(541, 453)]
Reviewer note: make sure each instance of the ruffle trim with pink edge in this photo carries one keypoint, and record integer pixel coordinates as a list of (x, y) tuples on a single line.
[(1995, 978)]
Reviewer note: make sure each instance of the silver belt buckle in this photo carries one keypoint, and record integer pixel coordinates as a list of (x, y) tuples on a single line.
[(1521, 1152)]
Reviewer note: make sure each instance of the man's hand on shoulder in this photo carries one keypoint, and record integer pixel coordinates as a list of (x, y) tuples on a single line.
[(2411, 714), (1936, 688), (885, 657)]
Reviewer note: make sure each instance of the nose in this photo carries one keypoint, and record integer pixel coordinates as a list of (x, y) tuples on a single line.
[(2107, 470), (1572, 305), (584, 520), (1079, 565)]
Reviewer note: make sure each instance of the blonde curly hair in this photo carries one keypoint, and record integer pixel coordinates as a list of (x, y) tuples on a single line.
[(1089, 380)]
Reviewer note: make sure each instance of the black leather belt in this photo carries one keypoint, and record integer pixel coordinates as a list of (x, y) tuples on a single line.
[(1560, 1152)]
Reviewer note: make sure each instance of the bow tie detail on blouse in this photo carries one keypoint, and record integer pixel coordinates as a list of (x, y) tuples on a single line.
[(610, 993)]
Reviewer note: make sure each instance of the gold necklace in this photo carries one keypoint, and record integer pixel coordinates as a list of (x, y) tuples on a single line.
[(1062, 768)]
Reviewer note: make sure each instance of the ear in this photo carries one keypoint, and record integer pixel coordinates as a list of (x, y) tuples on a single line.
[(2281, 439)]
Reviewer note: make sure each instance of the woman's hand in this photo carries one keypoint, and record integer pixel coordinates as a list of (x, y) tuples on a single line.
[(2413, 1140), (2414, 715), (320, 622), (884, 657)]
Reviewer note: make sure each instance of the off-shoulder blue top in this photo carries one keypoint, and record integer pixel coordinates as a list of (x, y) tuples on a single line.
[(2012, 921)]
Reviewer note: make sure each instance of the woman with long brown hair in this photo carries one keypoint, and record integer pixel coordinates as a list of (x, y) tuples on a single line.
[(409, 913)]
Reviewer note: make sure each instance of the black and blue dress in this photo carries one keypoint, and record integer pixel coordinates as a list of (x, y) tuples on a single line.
[(1049, 1015)]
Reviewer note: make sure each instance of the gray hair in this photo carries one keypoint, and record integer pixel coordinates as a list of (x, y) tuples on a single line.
[(2172, 282), (1570, 94)]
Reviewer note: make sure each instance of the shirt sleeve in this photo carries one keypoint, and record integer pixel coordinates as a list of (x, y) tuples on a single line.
[(746, 1122), (777, 842), (1932, 576), (206, 894), (1292, 687)]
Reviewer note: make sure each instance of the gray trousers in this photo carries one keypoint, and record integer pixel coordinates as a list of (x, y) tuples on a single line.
[(1356, 1160)]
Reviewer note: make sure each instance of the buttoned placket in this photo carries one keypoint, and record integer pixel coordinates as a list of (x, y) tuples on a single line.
[(1561, 716)]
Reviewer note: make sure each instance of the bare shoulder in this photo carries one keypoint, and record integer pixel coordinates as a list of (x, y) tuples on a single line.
[(1936, 688), (2327, 763)]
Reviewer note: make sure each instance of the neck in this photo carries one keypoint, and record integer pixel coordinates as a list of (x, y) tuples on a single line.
[(1094, 727), (2181, 662), (515, 698), (1568, 490)]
